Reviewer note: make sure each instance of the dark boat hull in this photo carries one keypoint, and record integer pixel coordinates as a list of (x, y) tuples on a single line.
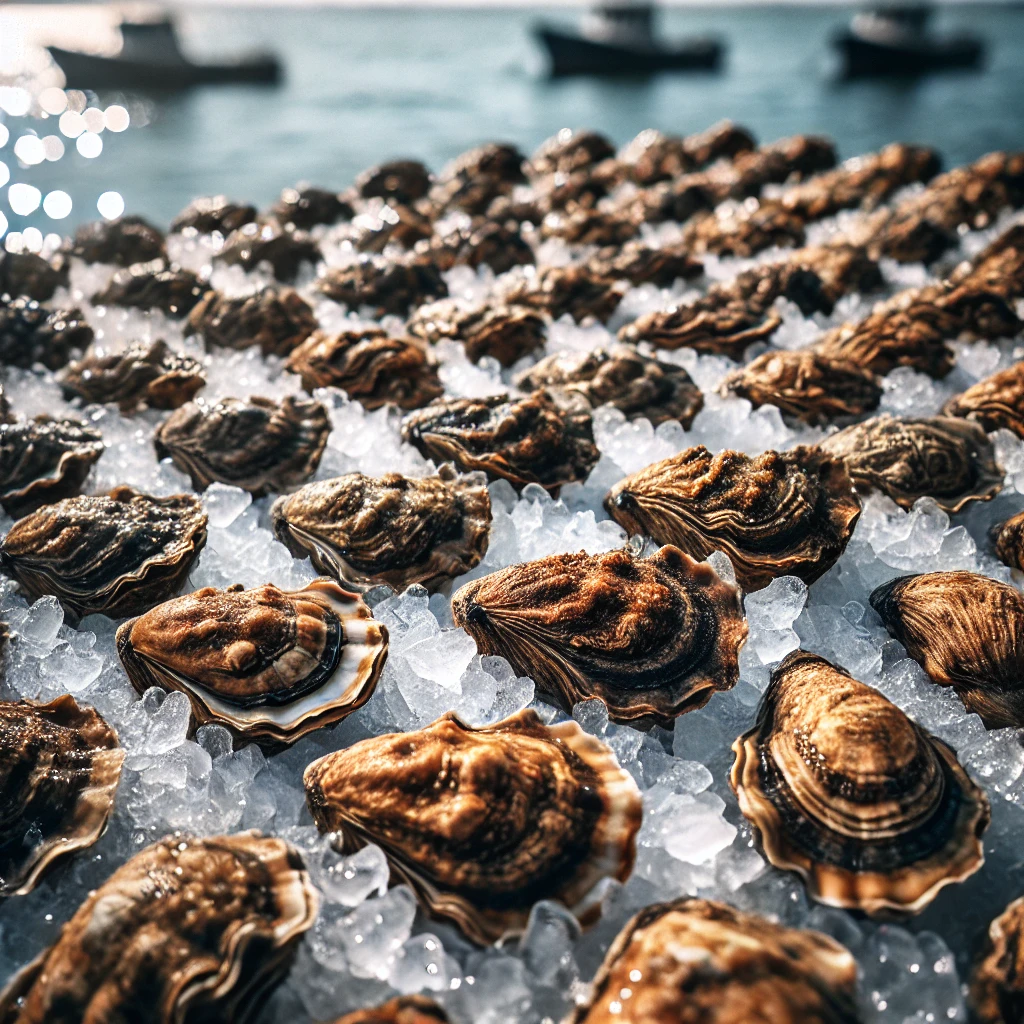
[(87, 71), (572, 54), (863, 58)]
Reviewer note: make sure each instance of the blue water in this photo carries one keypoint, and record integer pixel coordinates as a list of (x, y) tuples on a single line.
[(363, 85)]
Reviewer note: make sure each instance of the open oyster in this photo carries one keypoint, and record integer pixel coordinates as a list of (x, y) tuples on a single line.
[(1008, 541), (948, 459), (153, 285), (189, 929), (257, 444), (214, 213), (636, 384), (652, 637), (275, 319), (997, 984), (370, 366), (778, 514), (400, 1010), (698, 960), (59, 769), (967, 631), (506, 333), (153, 374), (117, 555), (484, 822), (268, 664), (869, 809), (997, 402), (44, 460), (30, 333), (123, 241), (285, 251), (391, 529), (537, 439)]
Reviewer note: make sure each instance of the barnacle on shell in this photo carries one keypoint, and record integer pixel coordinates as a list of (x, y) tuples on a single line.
[(997, 402)]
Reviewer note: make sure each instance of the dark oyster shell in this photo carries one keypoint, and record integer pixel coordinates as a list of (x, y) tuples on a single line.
[(722, 139), (997, 983), (780, 514), (275, 319), (400, 1010), (869, 809), (285, 251), (947, 459), (59, 769), (478, 178), (387, 286), (698, 960), (28, 274), (997, 402), (745, 231), (578, 291), (651, 637), (153, 374), (123, 241), (214, 213), (497, 246), (370, 366), (536, 439), (392, 224), (570, 151), (640, 263), (637, 384), (777, 162), (269, 665), (652, 156), (154, 285), (967, 631), (44, 460), (391, 529), (506, 333), (30, 334), (484, 822), (402, 180), (305, 207), (257, 444), (117, 555), (1008, 541), (188, 929), (587, 226)]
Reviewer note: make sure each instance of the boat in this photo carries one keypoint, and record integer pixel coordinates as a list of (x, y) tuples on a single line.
[(151, 58), (895, 40), (619, 38)]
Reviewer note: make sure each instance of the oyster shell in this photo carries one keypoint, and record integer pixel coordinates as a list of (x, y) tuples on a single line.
[(44, 460), (307, 207), (640, 263), (257, 444), (907, 458), (1008, 541), (269, 665), (652, 156), (582, 225), (636, 384), (536, 439), (275, 319), (123, 241), (188, 929), (651, 637), (214, 213), (392, 529), (152, 374), (874, 813), (30, 334), (59, 769), (28, 274), (997, 402), (400, 1010), (779, 514), (997, 982), (744, 231), (506, 333), (285, 251), (154, 285), (387, 286), (484, 822), (967, 631), (116, 555), (370, 366), (576, 290), (570, 151), (401, 180), (698, 960), (490, 244)]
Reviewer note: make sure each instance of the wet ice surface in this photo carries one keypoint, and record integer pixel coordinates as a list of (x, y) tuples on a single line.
[(370, 942)]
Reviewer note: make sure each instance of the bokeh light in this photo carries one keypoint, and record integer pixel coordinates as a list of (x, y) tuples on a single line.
[(29, 150), (32, 239), (5, 174), (4, 135), (12, 243), (53, 147), (15, 100), (77, 100), (93, 118), (116, 118), (89, 144), (23, 198), (71, 124), (110, 205), (53, 100), (57, 205)]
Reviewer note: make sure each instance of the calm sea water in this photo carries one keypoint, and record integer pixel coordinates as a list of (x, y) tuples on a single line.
[(363, 85)]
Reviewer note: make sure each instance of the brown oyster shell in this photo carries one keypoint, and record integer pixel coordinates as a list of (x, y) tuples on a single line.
[(874, 813), (30, 275), (505, 333), (188, 929), (404, 180), (997, 402), (580, 225), (640, 263), (306, 207), (400, 1010), (489, 243), (285, 251), (276, 320), (696, 960), (116, 555), (744, 232), (1008, 541), (907, 458), (536, 439), (59, 769), (484, 822), (30, 334), (123, 241), (391, 529), (636, 384), (269, 665), (213, 213), (778, 514), (967, 631), (44, 460), (386, 286), (569, 151), (577, 290), (651, 637), (153, 374), (257, 444), (997, 982), (370, 366), (153, 285)]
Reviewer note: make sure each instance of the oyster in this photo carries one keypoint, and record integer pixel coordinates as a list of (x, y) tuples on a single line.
[(745, 231), (947, 459), (391, 529), (285, 251), (997, 402), (123, 241), (869, 809), (640, 263), (578, 291), (152, 374), (506, 333), (59, 769), (636, 384), (400, 1010), (188, 929), (967, 631), (652, 156), (214, 213), (30, 333), (537, 439), (570, 151), (722, 140), (387, 286), (44, 460), (579, 225), (484, 822), (1008, 540), (997, 983), (307, 207), (370, 366), (269, 665), (694, 960), (257, 444), (276, 320), (116, 555), (401, 180), (780, 514), (28, 274), (153, 285), (651, 637), (497, 246)]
